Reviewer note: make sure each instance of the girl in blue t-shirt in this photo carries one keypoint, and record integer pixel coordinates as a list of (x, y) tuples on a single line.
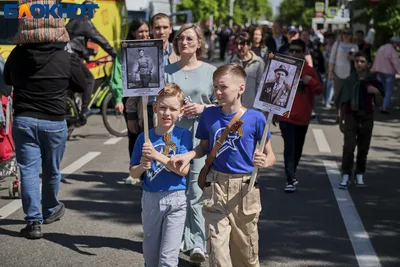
[(230, 211), (164, 198)]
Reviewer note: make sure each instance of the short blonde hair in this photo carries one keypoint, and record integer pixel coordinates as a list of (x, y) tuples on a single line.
[(171, 89), (234, 70), (200, 36)]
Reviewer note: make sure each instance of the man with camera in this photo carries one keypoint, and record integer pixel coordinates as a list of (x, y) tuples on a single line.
[(295, 127)]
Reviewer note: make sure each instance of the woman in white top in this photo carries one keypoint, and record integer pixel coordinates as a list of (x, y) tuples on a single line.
[(341, 59)]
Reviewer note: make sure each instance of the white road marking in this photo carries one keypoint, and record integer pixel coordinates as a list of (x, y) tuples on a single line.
[(113, 141), (321, 141), (15, 205), (363, 249), (77, 164), (10, 208)]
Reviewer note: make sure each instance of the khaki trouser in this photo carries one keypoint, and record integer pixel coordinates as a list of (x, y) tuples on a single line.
[(231, 215)]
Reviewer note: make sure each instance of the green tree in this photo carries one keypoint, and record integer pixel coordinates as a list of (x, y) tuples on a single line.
[(386, 17), (290, 12), (202, 8), (307, 16), (244, 10), (299, 12), (251, 10)]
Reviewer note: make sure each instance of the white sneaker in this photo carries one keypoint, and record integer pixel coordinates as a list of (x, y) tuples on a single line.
[(197, 256), (133, 181), (360, 180), (345, 182)]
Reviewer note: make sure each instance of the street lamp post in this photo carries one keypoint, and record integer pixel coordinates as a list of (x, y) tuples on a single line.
[(173, 10), (231, 2), (326, 14)]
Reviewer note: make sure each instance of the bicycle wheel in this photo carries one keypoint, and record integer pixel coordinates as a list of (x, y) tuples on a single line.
[(112, 119), (70, 115)]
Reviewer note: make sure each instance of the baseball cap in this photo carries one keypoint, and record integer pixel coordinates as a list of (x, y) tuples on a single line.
[(395, 39), (293, 29)]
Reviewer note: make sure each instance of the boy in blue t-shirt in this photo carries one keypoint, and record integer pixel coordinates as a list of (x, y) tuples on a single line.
[(164, 198), (231, 212)]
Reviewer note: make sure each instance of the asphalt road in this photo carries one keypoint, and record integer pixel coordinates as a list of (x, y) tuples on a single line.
[(316, 226)]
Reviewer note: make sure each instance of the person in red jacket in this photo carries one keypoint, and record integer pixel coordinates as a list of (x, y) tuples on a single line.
[(295, 127)]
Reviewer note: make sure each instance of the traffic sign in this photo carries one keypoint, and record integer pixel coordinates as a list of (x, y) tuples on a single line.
[(333, 12), (319, 7)]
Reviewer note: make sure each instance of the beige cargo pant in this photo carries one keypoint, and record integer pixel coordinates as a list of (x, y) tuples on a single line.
[(231, 215)]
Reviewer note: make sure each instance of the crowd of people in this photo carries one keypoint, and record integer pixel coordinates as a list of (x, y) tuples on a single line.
[(219, 220), (335, 65)]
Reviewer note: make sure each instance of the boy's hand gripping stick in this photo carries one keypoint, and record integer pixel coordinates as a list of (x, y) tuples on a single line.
[(260, 147)]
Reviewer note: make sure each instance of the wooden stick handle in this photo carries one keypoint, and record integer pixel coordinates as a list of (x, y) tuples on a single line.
[(145, 118), (260, 147)]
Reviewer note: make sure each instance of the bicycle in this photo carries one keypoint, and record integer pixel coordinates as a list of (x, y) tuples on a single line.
[(103, 100)]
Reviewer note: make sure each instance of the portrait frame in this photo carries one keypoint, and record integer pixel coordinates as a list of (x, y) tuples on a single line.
[(142, 67), (276, 91)]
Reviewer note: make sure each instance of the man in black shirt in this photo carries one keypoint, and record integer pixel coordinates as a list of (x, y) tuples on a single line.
[(41, 75), (277, 42)]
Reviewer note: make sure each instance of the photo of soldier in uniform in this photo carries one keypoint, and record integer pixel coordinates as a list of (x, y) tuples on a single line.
[(142, 67), (277, 91), (142, 70)]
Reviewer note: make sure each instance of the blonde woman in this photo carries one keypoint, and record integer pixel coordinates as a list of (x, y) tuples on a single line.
[(194, 77)]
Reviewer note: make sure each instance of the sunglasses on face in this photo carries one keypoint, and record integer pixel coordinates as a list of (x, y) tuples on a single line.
[(347, 33), (241, 43), (294, 50), (360, 61)]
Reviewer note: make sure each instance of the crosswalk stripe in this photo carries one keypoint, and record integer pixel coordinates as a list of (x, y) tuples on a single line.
[(15, 205)]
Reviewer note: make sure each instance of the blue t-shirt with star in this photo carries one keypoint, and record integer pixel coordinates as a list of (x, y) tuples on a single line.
[(159, 178), (236, 153)]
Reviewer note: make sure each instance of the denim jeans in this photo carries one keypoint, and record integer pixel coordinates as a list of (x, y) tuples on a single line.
[(293, 138), (388, 83), (328, 91), (39, 144)]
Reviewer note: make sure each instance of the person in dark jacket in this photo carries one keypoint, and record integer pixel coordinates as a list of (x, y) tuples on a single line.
[(277, 42), (356, 99), (41, 75), (80, 32)]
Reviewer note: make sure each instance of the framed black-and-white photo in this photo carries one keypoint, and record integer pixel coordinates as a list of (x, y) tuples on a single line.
[(142, 67), (279, 84)]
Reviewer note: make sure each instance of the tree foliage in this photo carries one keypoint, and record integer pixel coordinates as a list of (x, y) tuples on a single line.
[(201, 8), (244, 10), (299, 12), (251, 10), (386, 17), (291, 12)]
